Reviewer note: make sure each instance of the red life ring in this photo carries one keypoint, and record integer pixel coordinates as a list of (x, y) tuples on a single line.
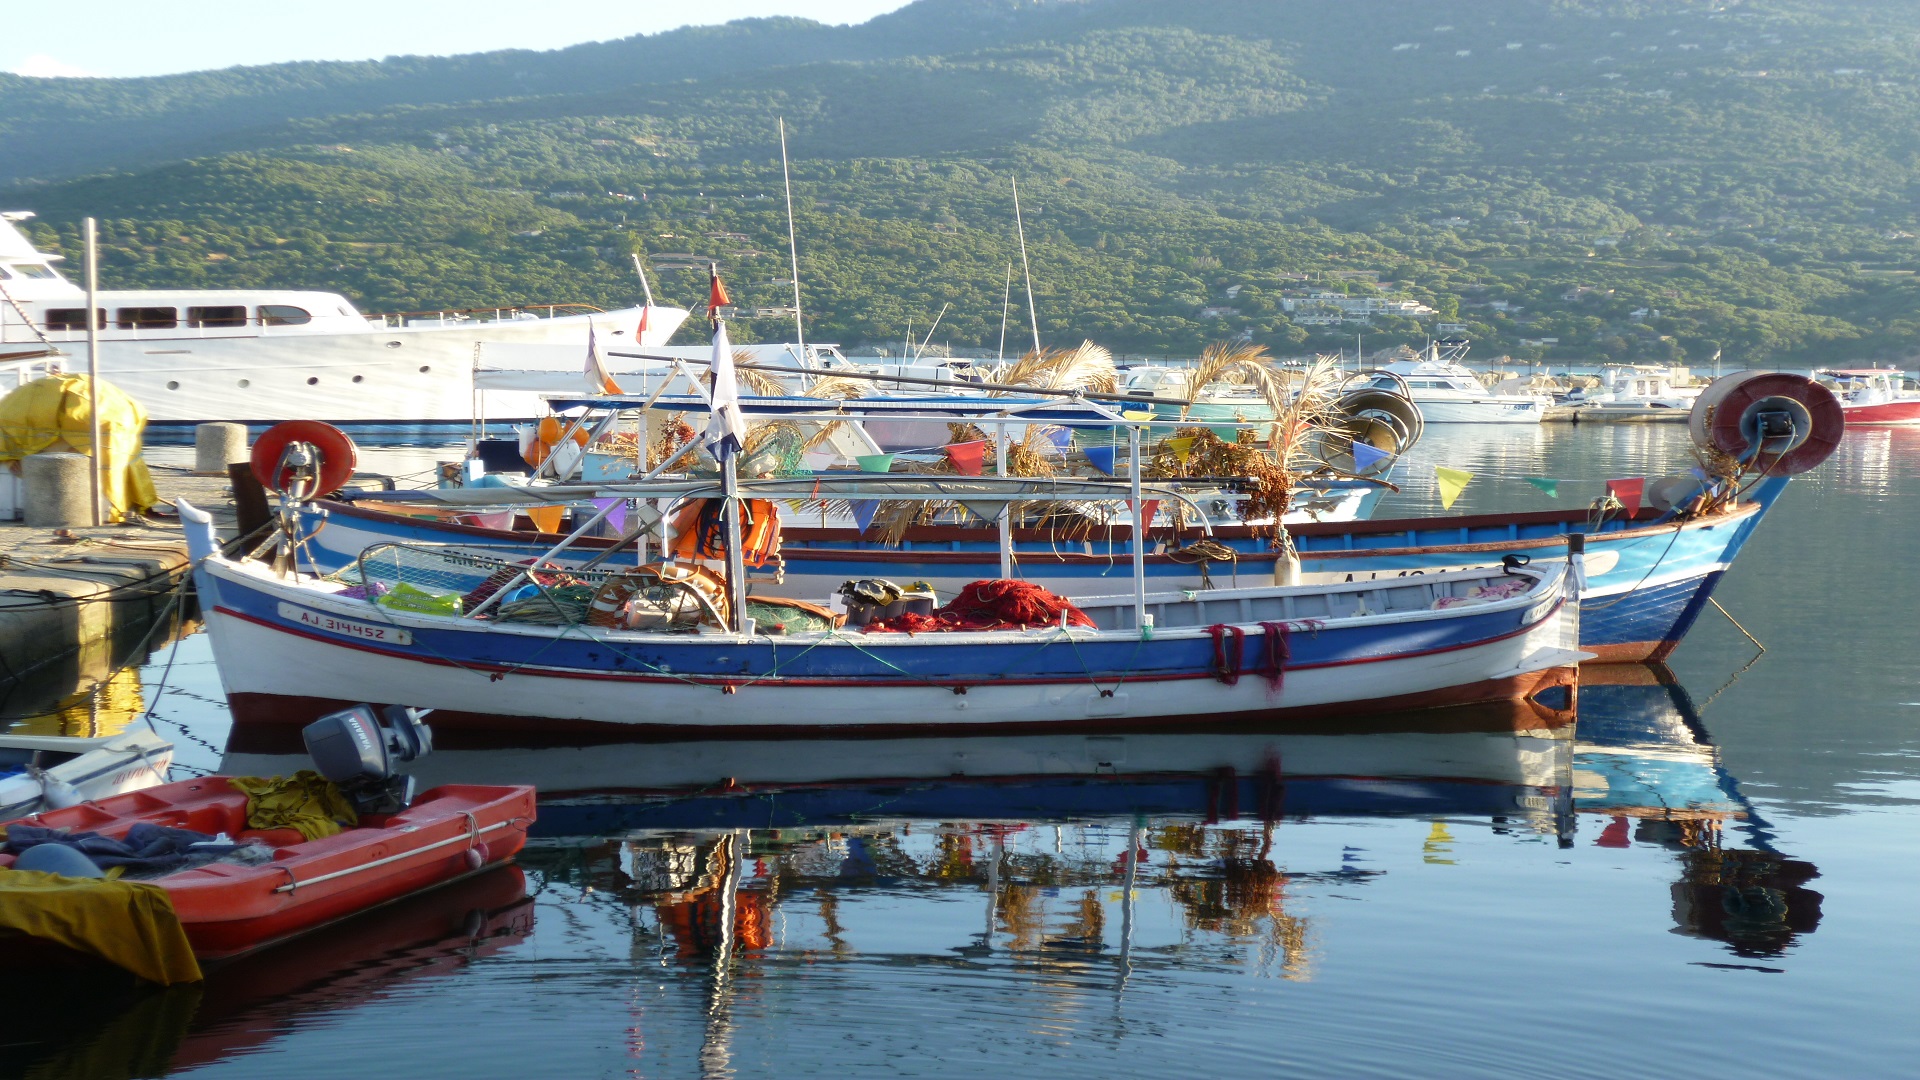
[(1726, 416), (338, 458)]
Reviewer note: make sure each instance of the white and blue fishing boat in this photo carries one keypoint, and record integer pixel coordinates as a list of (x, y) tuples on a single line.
[(669, 649), (1650, 571)]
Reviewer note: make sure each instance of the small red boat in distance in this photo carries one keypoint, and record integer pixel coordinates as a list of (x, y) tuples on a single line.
[(228, 909)]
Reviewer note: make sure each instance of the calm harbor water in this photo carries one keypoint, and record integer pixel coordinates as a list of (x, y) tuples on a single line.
[(1716, 873)]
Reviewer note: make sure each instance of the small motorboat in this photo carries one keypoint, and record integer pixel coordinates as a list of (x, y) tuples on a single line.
[(43, 772), (280, 884)]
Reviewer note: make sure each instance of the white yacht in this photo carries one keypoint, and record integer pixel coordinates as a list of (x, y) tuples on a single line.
[(260, 356), (1447, 392), (1638, 386)]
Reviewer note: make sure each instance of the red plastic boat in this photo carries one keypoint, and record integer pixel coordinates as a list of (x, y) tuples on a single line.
[(228, 909)]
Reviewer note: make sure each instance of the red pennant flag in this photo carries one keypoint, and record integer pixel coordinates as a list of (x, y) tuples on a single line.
[(1152, 507), (1628, 492), (716, 294), (641, 330), (968, 457)]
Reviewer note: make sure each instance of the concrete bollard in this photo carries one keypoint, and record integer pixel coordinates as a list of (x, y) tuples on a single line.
[(216, 446), (56, 491)]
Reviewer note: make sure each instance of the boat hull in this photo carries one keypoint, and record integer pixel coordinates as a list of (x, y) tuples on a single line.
[(287, 653), (1670, 570), (1905, 411)]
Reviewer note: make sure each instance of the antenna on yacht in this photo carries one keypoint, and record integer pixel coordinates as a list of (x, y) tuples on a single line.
[(1025, 269), (1006, 300), (930, 330), (642, 271), (93, 365), (793, 246)]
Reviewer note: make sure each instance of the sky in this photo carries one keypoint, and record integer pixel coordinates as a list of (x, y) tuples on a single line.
[(123, 38)]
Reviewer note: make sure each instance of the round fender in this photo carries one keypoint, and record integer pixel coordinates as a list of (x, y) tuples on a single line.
[(338, 459), (1733, 415)]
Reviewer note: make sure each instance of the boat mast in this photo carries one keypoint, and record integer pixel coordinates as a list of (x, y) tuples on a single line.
[(793, 246), (1006, 301), (93, 365), (1025, 268)]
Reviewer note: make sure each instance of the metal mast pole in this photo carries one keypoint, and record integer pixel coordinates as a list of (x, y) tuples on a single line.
[(1025, 269), (93, 366), (793, 246)]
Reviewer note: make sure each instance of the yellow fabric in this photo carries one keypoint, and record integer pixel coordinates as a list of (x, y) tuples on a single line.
[(51, 414), (128, 923), (305, 801), (1451, 483)]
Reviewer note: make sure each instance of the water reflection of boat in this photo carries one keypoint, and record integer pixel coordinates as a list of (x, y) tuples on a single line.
[(1644, 761), (1482, 760), (127, 1031)]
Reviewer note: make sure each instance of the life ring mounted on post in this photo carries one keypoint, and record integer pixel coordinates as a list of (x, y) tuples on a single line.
[(304, 458)]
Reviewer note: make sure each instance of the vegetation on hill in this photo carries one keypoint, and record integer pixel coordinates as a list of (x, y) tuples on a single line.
[(1638, 179)]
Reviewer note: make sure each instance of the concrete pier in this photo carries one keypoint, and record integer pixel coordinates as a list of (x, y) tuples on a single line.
[(216, 446), (65, 589)]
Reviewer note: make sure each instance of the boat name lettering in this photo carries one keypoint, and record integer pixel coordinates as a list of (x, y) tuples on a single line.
[(391, 635)]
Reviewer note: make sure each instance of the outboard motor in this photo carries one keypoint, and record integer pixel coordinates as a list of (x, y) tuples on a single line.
[(360, 748)]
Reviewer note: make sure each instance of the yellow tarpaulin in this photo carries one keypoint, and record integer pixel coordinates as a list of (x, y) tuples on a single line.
[(305, 801), (51, 414), (127, 923)]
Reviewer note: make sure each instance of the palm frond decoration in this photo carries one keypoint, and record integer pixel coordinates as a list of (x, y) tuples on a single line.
[(758, 383), (835, 386), (1084, 367)]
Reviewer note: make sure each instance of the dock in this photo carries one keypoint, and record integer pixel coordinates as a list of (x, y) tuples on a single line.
[(65, 591), (1613, 414)]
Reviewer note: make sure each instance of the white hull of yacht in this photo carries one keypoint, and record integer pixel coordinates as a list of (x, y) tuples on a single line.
[(1490, 410)]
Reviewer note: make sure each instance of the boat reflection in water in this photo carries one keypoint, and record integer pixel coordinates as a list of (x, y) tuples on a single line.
[(88, 1025), (1644, 762)]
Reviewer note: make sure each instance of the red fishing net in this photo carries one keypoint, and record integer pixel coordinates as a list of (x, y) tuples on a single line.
[(990, 605)]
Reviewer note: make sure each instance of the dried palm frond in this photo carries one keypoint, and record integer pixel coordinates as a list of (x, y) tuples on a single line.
[(835, 386), (758, 382), (1085, 367), (1307, 419)]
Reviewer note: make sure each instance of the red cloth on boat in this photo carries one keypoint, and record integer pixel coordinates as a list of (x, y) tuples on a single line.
[(990, 605)]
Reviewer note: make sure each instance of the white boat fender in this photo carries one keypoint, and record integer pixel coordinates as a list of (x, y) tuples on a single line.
[(55, 792)]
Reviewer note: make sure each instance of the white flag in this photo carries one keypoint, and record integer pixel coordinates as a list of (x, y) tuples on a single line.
[(727, 430), (598, 380)]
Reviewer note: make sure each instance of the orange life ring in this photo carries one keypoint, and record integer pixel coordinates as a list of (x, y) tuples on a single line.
[(338, 458)]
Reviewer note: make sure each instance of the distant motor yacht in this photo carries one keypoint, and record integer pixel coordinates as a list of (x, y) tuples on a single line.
[(259, 356), (1447, 392)]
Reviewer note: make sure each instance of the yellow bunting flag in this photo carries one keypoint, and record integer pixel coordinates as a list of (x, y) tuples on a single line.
[(1452, 483), (1181, 447), (546, 518)]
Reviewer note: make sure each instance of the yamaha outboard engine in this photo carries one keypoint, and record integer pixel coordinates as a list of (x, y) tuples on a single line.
[(360, 748)]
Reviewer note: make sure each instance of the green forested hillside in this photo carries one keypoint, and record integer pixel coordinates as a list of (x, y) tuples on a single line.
[(1635, 178)]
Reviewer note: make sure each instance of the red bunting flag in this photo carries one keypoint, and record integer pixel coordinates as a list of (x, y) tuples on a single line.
[(968, 457), (716, 293), (1152, 507), (1628, 492)]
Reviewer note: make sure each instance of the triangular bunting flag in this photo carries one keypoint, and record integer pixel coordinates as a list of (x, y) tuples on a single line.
[(1366, 456), (546, 519), (863, 511), (1152, 508), (985, 509), (1551, 487), (1101, 457), (1181, 447), (1452, 482), (875, 462), (819, 462), (1629, 492), (616, 519), (968, 457)]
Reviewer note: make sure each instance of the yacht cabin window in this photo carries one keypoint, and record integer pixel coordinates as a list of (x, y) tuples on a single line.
[(33, 270), (146, 318), (224, 315), (284, 315), (74, 318)]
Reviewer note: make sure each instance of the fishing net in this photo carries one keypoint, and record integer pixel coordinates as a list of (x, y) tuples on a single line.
[(991, 605)]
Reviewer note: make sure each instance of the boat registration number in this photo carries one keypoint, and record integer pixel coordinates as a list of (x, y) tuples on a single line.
[(388, 635)]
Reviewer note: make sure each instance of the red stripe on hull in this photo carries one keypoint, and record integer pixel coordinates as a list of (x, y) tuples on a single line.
[(269, 723), (1886, 412)]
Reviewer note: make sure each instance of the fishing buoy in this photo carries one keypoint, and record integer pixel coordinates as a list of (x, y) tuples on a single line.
[(55, 792), (549, 429), (1777, 422), (336, 458)]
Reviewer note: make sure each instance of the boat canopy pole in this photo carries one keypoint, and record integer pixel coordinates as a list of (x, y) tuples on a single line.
[(1006, 512), (914, 380), (1139, 531)]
